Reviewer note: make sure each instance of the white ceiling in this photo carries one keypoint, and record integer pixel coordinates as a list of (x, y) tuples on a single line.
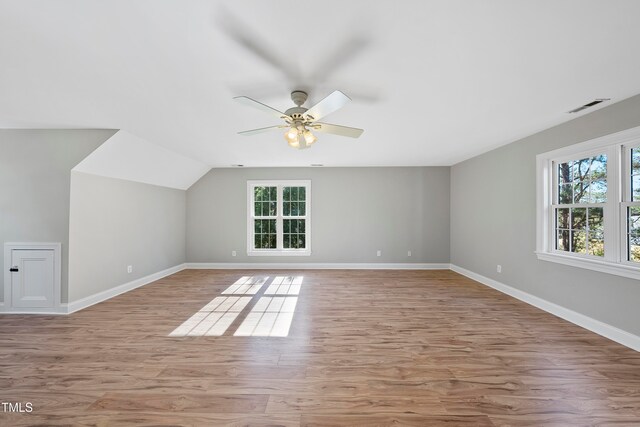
[(432, 82)]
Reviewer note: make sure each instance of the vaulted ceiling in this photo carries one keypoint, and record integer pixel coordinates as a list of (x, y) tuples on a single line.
[(432, 82)]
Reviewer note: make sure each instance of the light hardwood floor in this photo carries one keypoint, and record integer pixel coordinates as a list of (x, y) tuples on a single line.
[(423, 348)]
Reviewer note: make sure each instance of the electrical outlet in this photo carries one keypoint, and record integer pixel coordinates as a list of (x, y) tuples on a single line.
[(233, 253), (408, 253), (499, 268), (379, 253), (129, 268)]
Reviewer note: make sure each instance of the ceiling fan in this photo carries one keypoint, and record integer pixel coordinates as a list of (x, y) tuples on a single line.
[(300, 121)]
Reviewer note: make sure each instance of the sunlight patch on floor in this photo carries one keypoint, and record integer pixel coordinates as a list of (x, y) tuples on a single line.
[(282, 285), (247, 285), (213, 319), (270, 317)]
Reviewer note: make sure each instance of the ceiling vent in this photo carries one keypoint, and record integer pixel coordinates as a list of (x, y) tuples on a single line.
[(589, 105)]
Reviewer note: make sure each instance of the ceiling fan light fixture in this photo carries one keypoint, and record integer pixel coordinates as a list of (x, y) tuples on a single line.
[(292, 132), (299, 137), (309, 137), (294, 144), (291, 136)]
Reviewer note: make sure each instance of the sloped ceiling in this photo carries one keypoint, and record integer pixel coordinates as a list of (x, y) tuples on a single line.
[(432, 82), (125, 156)]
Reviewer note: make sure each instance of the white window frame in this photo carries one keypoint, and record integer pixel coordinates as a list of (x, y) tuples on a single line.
[(280, 250), (617, 148)]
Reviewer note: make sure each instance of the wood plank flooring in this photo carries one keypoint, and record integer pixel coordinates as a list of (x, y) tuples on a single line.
[(416, 348)]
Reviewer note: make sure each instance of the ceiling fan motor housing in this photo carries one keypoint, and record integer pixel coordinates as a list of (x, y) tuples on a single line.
[(296, 113), (299, 97)]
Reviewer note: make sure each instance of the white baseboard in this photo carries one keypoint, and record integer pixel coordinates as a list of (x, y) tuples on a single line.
[(315, 266), (604, 329), (36, 310), (110, 293)]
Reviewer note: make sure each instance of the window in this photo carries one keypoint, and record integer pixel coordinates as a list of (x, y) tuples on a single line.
[(279, 215), (588, 204), (579, 205)]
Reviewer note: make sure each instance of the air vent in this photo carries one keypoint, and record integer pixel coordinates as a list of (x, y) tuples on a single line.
[(317, 165), (589, 105)]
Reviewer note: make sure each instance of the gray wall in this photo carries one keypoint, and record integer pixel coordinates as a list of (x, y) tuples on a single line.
[(493, 221), (116, 223), (355, 212), (35, 167)]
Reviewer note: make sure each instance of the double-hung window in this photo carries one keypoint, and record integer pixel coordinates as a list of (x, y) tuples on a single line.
[(580, 199), (279, 217), (588, 204)]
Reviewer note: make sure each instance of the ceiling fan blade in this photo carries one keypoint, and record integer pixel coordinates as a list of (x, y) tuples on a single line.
[(337, 129), (260, 106), (345, 52), (328, 105), (260, 130), (241, 33)]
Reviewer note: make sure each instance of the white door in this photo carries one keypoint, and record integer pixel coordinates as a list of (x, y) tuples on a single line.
[(32, 278)]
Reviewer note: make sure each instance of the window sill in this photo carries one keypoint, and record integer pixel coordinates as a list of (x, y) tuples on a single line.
[(306, 252), (623, 270)]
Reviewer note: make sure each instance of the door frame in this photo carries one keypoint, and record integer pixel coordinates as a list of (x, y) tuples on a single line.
[(7, 307)]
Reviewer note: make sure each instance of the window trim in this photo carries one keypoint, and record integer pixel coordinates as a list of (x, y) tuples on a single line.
[(616, 146), (280, 251)]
